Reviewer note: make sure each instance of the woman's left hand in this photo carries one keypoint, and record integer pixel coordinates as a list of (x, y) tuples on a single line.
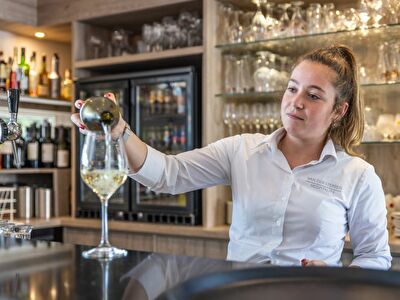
[(313, 263)]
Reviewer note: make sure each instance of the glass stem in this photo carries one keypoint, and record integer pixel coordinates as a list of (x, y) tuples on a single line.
[(104, 225)]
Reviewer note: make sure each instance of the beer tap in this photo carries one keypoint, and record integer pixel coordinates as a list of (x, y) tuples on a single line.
[(12, 130)]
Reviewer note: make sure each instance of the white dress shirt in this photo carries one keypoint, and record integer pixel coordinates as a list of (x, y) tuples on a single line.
[(282, 215)]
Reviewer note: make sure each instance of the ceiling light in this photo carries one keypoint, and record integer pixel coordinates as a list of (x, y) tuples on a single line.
[(40, 35)]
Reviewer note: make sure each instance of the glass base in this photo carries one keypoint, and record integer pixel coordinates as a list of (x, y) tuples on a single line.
[(104, 252)]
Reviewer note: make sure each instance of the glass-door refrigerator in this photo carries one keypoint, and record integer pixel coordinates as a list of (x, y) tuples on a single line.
[(163, 108), (166, 117)]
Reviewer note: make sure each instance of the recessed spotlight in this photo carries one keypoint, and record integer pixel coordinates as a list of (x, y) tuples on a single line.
[(40, 35)]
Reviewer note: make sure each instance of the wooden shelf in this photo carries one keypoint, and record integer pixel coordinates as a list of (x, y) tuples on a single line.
[(61, 185), (136, 58), (39, 103), (31, 171)]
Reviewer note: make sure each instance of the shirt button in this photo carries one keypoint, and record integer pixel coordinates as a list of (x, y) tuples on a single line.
[(278, 221)]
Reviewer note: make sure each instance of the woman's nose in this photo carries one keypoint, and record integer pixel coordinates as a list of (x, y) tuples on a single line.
[(298, 101)]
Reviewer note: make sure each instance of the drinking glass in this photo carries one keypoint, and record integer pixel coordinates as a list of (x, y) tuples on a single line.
[(297, 23), (364, 14), (104, 169), (284, 21), (259, 23)]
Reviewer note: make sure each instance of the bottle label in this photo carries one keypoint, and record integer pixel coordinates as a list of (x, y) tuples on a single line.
[(47, 153), (6, 148), (43, 90), (62, 158), (54, 88), (24, 83), (33, 153)]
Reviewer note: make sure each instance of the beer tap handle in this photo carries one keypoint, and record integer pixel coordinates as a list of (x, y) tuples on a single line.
[(13, 103), (14, 129)]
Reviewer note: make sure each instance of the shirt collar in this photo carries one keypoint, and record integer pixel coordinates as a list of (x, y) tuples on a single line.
[(271, 142)]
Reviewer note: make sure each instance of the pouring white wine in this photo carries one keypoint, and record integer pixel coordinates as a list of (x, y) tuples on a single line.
[(103, 165), (103, 182)]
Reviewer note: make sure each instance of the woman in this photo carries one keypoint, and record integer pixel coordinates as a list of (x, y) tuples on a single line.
[(298, 191)]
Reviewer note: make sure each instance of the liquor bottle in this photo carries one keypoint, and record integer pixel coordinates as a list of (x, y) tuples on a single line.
[(43, 84), (62, 156), (152, 102), (175, 147), (14, 84), (7, 155), (168, 100), (179, 99), (54, 78), (46, 146), (8, 71), (166, 148), (32, 148), (159, 101), (183, 138), (66, 86), (3, 74), (33, 76), (23, 69)]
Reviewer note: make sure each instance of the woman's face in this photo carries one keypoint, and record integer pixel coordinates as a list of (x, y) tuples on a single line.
[(307, 105)]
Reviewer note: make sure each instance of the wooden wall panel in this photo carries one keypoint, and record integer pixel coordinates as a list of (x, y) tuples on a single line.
[(61, 11), (179, 245), (386, 160), (171, 244), (213, 128), (22, 11)]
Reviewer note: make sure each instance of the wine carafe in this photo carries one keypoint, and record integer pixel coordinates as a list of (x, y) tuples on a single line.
[(98, 112)]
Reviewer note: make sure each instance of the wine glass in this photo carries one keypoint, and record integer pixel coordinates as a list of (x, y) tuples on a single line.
[(104, 169)]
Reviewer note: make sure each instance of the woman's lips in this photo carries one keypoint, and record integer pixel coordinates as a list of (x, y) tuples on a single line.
[(293, 116)]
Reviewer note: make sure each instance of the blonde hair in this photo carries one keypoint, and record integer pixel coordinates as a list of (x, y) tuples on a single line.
[(348, 131)]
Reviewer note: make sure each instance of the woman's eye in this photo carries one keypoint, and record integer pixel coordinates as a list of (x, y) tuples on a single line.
[(314, 97), (291, 89)]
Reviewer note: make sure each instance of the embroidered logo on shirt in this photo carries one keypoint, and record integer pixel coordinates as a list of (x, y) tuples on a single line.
[(323, 185)]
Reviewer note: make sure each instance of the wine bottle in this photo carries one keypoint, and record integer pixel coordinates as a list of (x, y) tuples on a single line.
[(43, 84), (7, 155), (46, 147), (62, 156), (54, 78), (23, 69), (14, 84), (33, 76), (3, 74), (32, 148), (66, 86), (99, 111), (8, 71)]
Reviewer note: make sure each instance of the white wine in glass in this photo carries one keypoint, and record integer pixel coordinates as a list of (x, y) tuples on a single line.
[(104, 169)]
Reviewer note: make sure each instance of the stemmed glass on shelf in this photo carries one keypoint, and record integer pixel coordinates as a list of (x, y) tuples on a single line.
[(104, 169)]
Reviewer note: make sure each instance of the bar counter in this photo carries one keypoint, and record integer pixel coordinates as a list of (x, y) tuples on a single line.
[(218, 232), (49, 270)]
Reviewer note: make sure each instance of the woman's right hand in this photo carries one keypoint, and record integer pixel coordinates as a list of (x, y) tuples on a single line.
[(76, 119)]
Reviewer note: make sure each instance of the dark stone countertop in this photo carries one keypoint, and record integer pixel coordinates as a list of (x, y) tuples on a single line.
[(38, 270), (48, 270)]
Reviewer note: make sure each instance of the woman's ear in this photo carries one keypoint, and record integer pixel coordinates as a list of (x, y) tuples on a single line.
[(341, 110)]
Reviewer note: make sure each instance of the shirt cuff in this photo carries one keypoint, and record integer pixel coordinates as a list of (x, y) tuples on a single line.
[(379, 263), (152, 169)]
